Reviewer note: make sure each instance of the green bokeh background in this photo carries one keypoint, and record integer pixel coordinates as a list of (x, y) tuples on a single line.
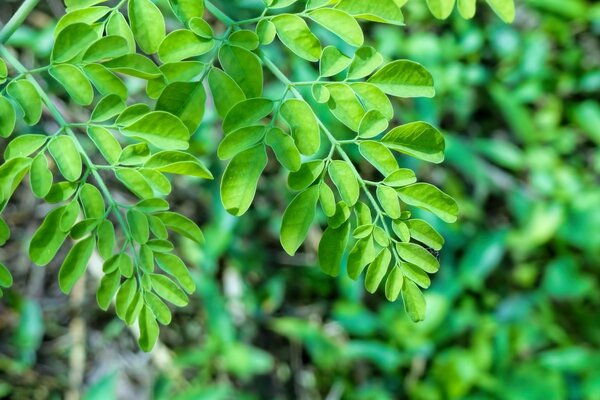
[(514, 313)]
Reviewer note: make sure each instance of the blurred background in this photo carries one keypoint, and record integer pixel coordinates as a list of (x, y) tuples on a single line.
[(514, 313)]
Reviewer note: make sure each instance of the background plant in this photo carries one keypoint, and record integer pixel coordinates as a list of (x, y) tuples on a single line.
[(472, 304)]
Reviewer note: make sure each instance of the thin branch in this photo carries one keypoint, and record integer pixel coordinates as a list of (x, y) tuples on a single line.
[(17, 20)]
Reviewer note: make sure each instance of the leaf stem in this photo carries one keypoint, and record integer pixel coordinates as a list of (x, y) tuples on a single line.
[(220, 15), (17, 20)]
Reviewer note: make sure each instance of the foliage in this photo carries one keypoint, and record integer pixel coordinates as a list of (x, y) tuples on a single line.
[(97, 50)]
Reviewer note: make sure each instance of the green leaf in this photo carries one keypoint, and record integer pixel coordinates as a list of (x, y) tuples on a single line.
[(178, 162), (134, 65), (297, 219), (365, 61), (306, 175), (226, 92), (394, 284), (134, 154), (182, 44), (168, 290), (340, 23), (428, 197), (284, 148), (106, 239), (106, 143), (182, 225), (373, 98), (417, 139), (117, 25), (182, 71), (109, 284), (327, 199), (244, 67), (441, 9), (25, 94), (25, 145), (125, 295), (185, 100), (75, 264), (6, 279), (160, 129), (401, 177), (379, 156), (404, 78), (416, 275), (11, 174), (105, 48), (247, 113), (67, 157), (344, 105), (173, 266), (70, 216), (148, 329), (414, 301), (344, 178), (388, 198), (372, 124), (8, 117), (75, 83), (362, 254), (73, 40), (138, 225), (240, 140), (40, 176), (467, 8), (303, 124), (185, 10), (201, 28), (160, 309), (377, 270), (4, 232), (295, 35), (266, 31), (88, 15), (244, 38), (147, 24), (107, 108), (333, 62), (504, 8), (105, 81), (240, 179), (417, 255), (135, 182), (386, 11), (3, 71), (423, 232), (332, 247)]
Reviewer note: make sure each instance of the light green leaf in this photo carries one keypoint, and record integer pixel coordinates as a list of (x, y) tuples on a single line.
[(344, 178), (306, 175), (106, 143), (25, 145), (417, 139), (75, 264), (298, 218), (416, 275), (372, 124), (75, 83), (40, 176), (67, 157), (168, 290), (344, 105), (160, 309), (394, 284), (109, 284), (333, 62), (173, 266), (105, 48), (504, 8), (178, 162), (107, 108), (182, 44), (6, 279), (73, 40), (117, 25), (25, 94), (417, 255), (160, 129), (48, 239), (240, 179), (147, 24), (135, 182), (404, 78), (362, 254), (240, 140), (379, 156), (295, 35), (106, 239), (428, 197), (105, 81), (377, 270), (185, 100), (332, 247), (244, 38), (266, 31), (365, 61), (185, 10), (244, 67), (388, 198), (284, 148), (138, 225), (386, 11), (134, 65), (303, 124), (441, 9), (340, 23), (401, 177), (125, 295), (8, 117), (467, 8), (182, 225), (148, 329), (414, 301), (247, 113), (226, 92)]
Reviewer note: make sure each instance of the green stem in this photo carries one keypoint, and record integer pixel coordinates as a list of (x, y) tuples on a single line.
[(220, 15), (17, 20), (66, 127)]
